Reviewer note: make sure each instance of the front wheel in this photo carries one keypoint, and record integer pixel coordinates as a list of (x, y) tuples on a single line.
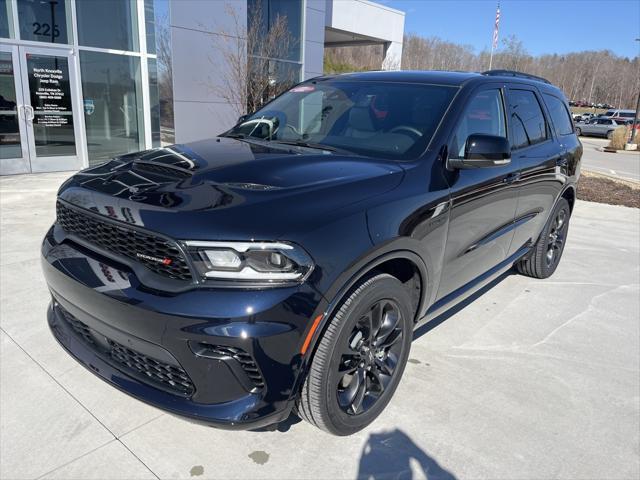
[(545, 255), (360, 358), (610, 134), (578, 131)]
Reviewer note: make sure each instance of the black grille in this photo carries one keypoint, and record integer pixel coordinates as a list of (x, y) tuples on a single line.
[(79, 327), (243, 358), (146, 248), (153, 371), (174, 377)]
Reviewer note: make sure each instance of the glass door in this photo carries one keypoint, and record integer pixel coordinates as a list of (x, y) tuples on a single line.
[(14, 150), (50, 109)]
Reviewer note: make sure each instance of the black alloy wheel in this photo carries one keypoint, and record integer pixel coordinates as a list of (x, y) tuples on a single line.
[(555, 241), (360, 357), (370, 357), (545, 255)]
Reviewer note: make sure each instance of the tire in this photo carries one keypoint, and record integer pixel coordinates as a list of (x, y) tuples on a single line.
[(341, 402), (545, 255), (578, 131), (610, 134)]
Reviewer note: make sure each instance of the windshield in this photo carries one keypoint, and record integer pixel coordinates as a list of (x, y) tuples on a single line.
[(386, 120)]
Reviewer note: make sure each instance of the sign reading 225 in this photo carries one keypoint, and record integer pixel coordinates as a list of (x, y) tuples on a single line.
[(45, 29)]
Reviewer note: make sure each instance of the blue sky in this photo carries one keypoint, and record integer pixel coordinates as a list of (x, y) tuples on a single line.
[(544, 26)]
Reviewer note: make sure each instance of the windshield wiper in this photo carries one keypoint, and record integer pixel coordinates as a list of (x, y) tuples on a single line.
[(302, 143)]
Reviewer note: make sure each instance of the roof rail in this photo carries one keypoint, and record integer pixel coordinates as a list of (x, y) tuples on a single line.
[(513, 73)]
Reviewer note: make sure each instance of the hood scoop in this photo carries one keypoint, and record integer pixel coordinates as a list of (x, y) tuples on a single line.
[(171, 172)]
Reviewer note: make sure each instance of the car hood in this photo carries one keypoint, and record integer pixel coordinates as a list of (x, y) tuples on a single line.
[(229, 189)]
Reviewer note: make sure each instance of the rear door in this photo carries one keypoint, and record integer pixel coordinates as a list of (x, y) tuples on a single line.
[(540, 156)]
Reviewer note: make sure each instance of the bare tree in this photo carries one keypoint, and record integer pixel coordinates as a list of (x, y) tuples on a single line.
[(593, 76), (249, 71)]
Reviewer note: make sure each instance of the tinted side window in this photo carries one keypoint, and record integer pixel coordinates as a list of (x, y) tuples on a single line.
[(529, 126), (559, 115), (484, 114)]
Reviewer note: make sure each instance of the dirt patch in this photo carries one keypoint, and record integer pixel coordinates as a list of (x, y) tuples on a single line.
[(593, 187)]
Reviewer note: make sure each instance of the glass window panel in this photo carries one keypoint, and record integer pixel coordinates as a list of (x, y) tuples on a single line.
[(154, 100), (268, 12), (5, 15), (527, 118), (112, 97), (559, 115), (150, 25), (484, 115), (50, 95), (161, 98), (111, 24), (9, 129), (44, 20), (292, 11)]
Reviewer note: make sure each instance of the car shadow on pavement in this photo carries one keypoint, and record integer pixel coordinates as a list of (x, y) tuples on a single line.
[(433, 323), (394, 455)]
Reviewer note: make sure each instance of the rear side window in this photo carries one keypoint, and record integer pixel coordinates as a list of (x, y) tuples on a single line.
[(484, 114), (527, 121), (559, 115)]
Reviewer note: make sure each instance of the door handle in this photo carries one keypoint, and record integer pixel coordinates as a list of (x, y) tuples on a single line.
[(30, 112), (512, 177)]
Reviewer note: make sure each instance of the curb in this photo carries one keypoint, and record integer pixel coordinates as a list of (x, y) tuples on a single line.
[(633, 183)]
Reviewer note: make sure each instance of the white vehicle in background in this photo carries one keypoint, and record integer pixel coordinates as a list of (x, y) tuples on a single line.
[(619, 114), (583, 117)]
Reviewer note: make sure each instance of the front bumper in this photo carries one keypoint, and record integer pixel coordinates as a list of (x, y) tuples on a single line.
[(229, 358)]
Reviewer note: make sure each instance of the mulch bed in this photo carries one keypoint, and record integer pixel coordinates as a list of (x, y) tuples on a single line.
[(593, 187)]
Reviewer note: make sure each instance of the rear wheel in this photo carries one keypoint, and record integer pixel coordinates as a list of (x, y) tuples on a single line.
[(543, 259), (578, 131), (360, 358)]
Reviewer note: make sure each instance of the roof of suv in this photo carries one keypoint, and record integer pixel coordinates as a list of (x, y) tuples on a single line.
[(440, 77)]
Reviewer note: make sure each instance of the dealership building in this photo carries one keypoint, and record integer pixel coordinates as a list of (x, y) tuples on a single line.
[(84, 80)]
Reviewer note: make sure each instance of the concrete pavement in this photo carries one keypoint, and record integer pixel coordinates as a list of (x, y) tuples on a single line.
[(621, 164), (533, 379)]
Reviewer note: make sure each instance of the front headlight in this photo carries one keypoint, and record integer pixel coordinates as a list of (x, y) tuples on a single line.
[(251, 262)]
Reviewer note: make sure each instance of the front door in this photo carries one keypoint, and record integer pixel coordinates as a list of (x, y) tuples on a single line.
[(483, 199), (38, 110)]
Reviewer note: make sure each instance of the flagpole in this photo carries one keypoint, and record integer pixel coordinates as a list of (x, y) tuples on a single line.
[(491, 57), (494, 39)]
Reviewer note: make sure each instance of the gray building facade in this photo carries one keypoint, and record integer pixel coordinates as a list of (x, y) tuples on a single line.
[(82, 81)]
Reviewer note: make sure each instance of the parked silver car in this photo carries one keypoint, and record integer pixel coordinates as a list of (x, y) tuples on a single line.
[(598, 127)]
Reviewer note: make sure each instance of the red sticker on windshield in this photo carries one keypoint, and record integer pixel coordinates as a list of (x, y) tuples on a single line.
[(303, 89)]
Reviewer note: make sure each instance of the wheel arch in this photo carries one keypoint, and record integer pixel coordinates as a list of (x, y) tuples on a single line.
[(402, 263), (569, 194)]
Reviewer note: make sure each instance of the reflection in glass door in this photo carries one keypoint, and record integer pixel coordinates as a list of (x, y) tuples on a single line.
[(13, 144), (48, 83), (38, 111)]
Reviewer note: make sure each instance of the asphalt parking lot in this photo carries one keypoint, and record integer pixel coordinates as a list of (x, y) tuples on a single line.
[(621, 164), (534, 379)]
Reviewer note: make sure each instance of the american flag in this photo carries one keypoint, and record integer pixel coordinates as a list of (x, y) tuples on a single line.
[(495, 30)]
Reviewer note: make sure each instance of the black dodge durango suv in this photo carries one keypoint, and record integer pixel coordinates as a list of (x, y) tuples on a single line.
[(283, 266)]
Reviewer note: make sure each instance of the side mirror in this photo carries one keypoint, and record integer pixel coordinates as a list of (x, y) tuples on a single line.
[(483, 151)]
